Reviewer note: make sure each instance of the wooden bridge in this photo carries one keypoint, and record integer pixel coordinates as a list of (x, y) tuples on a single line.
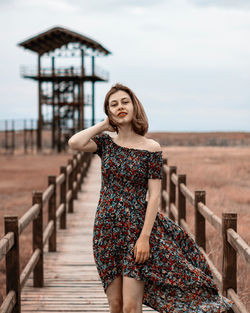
[(61, 275)]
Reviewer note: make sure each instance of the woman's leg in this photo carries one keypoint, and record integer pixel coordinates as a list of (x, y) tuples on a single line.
[(114, 294), (132, 295)]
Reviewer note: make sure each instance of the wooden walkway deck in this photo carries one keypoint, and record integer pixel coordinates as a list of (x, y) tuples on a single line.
[(71, 281)]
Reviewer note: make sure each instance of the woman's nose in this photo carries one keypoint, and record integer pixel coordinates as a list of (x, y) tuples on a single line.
[(121, 104)]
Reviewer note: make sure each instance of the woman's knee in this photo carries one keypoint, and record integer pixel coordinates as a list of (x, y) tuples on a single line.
[(131, 306), (115, 305)]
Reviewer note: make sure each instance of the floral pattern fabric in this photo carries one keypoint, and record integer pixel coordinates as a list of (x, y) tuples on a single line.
[(177, 276)]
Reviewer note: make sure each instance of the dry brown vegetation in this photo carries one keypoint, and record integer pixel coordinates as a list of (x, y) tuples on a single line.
[(223, 172), (202, 139)]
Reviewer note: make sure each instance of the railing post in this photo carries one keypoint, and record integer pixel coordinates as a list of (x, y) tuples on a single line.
[(82, 168), (6, 136), (164, 186), (74, 176), (63, 192), (31, 134), (70, 187), (199, 219), (12, 262), (229, 258), (25, 136), (87, 156), (172, 191), (78, 172), (181, 199), (13, 136), (38, 277), (52, 214)]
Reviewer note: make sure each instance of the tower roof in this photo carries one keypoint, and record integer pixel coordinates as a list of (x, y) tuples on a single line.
[(56, 37)]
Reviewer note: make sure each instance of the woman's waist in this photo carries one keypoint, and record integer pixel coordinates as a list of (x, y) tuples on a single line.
[(123, 193), (123, 200), (121, 213)]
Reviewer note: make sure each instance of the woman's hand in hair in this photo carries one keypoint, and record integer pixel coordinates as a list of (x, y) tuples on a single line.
[(108, 126)]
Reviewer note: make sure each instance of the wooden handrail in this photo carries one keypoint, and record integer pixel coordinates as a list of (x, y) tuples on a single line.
[(239, 244), (28, 217), (6, 243), (60, 179)]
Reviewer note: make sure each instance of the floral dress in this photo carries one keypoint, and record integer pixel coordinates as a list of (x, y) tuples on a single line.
[(176, 275)]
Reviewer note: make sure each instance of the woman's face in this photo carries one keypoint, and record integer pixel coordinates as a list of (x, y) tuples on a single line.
[(120, 101)]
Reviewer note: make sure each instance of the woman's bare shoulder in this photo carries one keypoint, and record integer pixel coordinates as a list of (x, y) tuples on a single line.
[(152, 145)]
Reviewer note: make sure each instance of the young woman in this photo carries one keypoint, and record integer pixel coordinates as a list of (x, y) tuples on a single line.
[(142, 256)]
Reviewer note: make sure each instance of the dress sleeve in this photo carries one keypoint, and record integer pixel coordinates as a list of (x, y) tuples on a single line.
[(155, 165), (100, 142)]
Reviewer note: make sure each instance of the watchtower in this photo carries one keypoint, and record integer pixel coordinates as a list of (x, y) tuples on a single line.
[(61, 90)]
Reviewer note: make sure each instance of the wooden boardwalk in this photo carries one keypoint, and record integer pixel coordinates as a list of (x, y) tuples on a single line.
[(71, 281)]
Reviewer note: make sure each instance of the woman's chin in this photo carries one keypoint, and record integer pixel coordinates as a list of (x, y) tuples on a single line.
[(124, 122)]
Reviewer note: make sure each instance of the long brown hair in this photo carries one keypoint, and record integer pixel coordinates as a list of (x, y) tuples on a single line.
[(139, 121)]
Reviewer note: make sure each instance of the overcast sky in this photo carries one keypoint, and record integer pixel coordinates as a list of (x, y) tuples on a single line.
[(188, 61)]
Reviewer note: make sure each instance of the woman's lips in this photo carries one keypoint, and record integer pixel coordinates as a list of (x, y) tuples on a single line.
[(122, 114)]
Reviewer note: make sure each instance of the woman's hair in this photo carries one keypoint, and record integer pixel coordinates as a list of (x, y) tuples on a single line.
[(139, 121)]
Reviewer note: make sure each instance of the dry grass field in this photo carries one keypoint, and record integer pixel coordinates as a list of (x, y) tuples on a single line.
[(223, 172), (202, 139)]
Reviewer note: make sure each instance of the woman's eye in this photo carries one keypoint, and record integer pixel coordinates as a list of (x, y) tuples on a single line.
[(113, 104)]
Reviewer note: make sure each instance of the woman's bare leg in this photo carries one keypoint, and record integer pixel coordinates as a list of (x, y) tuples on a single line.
[(132, 290), (114, 294)]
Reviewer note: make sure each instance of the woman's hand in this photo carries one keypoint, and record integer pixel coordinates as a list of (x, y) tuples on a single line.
[(141, 250), (107, 125)]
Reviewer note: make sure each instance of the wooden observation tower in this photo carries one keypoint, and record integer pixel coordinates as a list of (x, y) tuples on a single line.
[(61, 90)]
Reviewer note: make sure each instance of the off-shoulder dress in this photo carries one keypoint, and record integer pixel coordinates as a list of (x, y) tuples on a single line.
[(177, 276)]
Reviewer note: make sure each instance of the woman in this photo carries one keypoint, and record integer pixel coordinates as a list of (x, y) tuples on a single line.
[(142, 256)]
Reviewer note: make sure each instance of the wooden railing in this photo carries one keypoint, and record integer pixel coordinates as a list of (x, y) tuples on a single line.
[(173, 202), (69, 181)]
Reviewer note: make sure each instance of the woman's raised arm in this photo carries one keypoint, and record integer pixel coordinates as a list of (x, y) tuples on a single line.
[(81, 140)]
